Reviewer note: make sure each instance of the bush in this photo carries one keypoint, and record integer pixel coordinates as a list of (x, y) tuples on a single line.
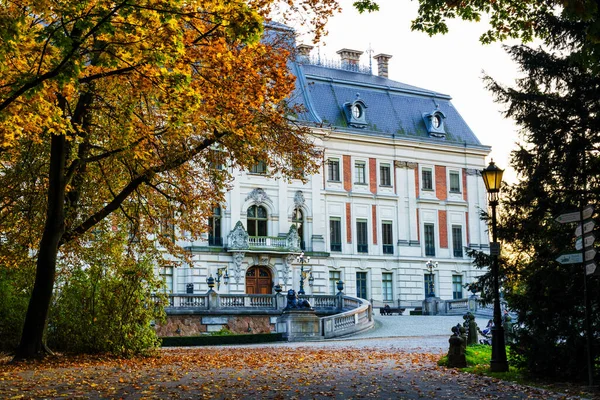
[(107, 308), (14, 293)]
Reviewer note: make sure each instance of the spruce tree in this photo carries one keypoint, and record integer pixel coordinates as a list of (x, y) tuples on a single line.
[(557, 105)]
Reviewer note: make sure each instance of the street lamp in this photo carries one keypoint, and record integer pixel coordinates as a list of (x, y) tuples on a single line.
[(430, 265), (224, 275), (302, 259), (492, 177)]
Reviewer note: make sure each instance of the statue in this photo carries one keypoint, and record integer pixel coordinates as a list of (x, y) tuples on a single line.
[(456, 352), (471, 327), (293, 302)]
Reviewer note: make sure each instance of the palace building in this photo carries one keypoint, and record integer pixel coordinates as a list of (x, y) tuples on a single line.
[(399, 187)]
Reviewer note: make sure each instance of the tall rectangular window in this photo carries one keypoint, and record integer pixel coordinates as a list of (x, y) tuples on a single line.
[(335, 234), (454, 182), (385, 175), (427, 179), (457, 244), (334, 277), (166, 273), (387, 237), (360, 172), (386, 286), (259, 168), (457, 287), (361, 285), (429, 239), (333, 169), (429, 288), (362, 236)]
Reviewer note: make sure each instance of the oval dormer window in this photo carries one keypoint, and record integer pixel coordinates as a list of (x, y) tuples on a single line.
[(356, 111), (436, 121)]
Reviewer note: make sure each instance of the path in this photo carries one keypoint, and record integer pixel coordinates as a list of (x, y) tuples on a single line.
[(373, 365)]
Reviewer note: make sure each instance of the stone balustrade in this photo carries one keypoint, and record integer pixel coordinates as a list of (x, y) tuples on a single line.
[(339, 314)]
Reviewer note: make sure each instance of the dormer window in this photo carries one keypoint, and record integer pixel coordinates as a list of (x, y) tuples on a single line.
[(434, 122), (355, 113)]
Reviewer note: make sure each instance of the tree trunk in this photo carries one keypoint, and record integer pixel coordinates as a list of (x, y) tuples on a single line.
[(31, 345)]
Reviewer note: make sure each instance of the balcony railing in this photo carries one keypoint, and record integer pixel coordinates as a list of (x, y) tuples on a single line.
[(345, 315), (239, 240)]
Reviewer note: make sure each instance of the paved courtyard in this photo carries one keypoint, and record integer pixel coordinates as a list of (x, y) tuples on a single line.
[(395, 360)]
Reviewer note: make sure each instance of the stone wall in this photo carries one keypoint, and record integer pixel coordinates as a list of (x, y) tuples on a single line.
[(193, 325)]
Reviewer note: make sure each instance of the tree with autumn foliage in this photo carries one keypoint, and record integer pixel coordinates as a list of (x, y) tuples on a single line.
[(113, 116)]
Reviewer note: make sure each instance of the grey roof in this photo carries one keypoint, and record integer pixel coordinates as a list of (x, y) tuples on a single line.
[(394, 109)]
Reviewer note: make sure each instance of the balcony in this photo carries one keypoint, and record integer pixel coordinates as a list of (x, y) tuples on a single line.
[(239, 240)]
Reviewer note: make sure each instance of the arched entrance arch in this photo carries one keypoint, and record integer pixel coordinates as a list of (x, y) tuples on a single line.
[(259, 280)]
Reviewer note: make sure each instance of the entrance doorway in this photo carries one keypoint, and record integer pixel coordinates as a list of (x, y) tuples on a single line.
[(259, 280)]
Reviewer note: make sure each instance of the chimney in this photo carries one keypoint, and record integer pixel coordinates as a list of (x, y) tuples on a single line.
[(348, 56), (304, 50), (382, 64)]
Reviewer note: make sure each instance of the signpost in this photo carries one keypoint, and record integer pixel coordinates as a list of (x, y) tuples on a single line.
[(587, 227), (586, 241), (570, 258), (587, 253), (575, 216)]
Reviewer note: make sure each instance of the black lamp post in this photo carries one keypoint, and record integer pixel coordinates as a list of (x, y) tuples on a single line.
[(302, 259), (492, 177), (430, 265)]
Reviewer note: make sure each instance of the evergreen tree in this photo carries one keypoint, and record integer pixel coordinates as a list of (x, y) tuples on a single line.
[(557, 105)]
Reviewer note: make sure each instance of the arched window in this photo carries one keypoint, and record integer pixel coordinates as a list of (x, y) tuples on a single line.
[(257, 221), (298, 221), (214, 225)]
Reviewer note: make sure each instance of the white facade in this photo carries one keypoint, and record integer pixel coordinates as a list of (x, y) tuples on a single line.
[(428, 189)]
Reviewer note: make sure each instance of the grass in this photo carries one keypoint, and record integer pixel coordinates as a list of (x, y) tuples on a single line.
[(478, 362)]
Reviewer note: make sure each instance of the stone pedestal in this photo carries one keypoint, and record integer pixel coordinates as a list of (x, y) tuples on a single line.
[(431, 305), (299, 325)]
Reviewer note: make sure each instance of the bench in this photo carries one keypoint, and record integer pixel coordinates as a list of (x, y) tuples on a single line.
[(391, 310)]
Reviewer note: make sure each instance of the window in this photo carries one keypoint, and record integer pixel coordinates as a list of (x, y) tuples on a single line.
[(386, 286), (457, 288), (427, 177), (334, 277), (259, 168), (429, 240), (361, 285), (457, 245), (257, 221), (333, 169), (166, 274), (385, 176), (360, 175), (167, 226), (454, 182), (214, 228), (387, 237), (298, 221), (429, 286), (335, 234), (362, 237)]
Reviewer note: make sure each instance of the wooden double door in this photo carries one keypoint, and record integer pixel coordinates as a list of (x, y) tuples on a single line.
[(259, 280)]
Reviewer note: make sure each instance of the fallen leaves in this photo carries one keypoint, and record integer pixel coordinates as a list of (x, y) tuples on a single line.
[(277, 372)]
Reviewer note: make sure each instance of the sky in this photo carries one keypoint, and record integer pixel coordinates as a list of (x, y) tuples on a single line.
[(452, 64)]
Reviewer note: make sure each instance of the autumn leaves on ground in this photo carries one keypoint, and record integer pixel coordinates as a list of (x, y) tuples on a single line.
[(278, 372)]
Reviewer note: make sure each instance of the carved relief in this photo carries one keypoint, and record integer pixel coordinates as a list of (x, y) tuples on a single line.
[(473, 171), (405, 164), (237, 238), (293, 239), (238, 259), (299, 199), (287, 268), (258, 195)]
